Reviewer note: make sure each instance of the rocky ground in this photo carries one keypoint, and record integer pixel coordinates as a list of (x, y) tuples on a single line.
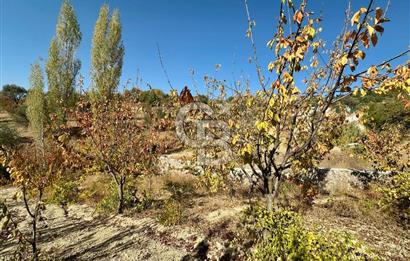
[(208, 223), (83, 235)]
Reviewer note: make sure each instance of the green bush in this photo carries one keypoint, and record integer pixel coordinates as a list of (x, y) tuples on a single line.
[(65, 192), (380, 109), (180, 190), (109, 203), (152, 97), (350, 134), (396, 196), (281, 236), (146, 201), (8, 136), (172, 212)]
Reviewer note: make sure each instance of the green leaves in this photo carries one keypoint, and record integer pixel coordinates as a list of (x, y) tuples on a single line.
[(36, 102), (62, 67), (107, 54)]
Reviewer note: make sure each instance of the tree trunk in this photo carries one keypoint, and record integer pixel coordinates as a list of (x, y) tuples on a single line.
[(268, 183), (271, 184), (34, 240), (120, 197), (276, 191)]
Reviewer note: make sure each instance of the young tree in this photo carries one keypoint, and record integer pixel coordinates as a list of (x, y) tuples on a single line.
[(62, 66), (33, 174), (107, 54), (120, 140), (36, 103), (291, 128)]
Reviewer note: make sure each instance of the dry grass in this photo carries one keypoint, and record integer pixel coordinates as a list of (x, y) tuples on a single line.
[(337, 158)]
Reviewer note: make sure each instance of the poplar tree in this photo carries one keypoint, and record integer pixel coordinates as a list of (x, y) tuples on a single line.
[(107, 54), (62, 66), (36, 103)]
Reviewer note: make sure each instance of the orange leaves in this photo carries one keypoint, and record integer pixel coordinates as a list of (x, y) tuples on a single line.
[(298, 17), (379, 17), (379, 13), (365, 40), (379, 29), (374, 39), (370, 34)]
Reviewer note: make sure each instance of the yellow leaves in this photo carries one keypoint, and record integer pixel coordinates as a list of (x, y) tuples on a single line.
[(271, 66), (287, 78), (314, 64), (270, 43), (249, 102), (271, 102), (372, 71), (231, 123), (343, 61), (246, 152), (372, 33), (276, 118), (356, 17), (360, 54), (370, 29), (362, 92), (235, 139), (298, 17), (262, 126), (311, 32), (282, 90)]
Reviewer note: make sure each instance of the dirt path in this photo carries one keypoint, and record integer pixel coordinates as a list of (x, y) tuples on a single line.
[(80, 236)]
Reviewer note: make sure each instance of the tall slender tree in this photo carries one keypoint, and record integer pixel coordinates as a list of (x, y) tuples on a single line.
[(107, 54), (36, 103), (62, 66)]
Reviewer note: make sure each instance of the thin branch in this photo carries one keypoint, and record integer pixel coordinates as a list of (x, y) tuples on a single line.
[(163, 68), (385, 62), (255, 56)]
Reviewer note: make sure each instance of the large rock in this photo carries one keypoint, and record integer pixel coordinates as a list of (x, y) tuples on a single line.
[(339, 181)]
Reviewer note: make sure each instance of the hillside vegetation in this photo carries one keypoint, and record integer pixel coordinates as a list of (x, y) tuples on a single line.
[(285, 172)]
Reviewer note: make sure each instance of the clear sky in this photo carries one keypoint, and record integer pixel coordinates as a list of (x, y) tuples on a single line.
[(192, 34)]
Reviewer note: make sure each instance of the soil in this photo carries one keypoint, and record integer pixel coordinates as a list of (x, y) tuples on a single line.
[(208, 222)]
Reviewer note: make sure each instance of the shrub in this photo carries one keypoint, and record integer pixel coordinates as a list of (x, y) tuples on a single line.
[(396, 196), (64, 192), (146, 201), (109, 202), (350, 134), (211, 181), (152, 97), (8, 136), (281, 236), (180, 190), (172, 212)]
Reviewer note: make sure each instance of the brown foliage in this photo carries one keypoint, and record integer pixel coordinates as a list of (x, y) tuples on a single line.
[(185, 97)]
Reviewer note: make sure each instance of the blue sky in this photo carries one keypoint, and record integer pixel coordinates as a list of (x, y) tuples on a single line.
[(194, 34)]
